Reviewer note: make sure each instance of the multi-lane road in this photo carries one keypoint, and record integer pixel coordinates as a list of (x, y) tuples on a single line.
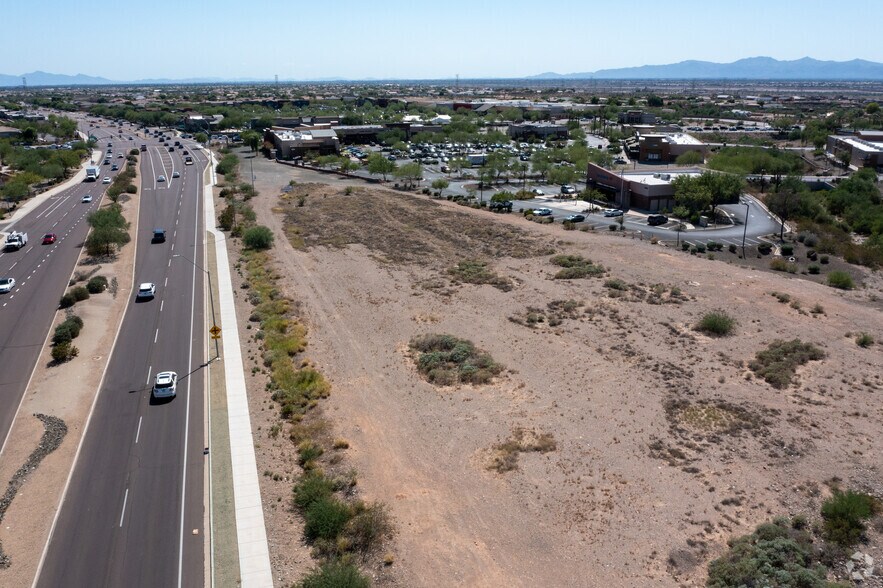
[(132, 513)]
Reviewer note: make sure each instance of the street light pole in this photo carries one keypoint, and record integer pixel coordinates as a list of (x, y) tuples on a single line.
[(211, 299), (745, 230)]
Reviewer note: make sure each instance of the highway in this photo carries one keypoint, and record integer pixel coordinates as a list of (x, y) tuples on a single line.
[(132, 514), (41, 273)]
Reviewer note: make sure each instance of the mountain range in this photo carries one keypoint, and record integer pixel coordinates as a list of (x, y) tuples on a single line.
[(751, 68)]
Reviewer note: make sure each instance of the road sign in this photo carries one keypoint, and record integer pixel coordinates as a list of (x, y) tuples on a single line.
[(215, 331)]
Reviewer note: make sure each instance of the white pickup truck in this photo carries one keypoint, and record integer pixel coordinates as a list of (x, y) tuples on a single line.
[(15, 241)]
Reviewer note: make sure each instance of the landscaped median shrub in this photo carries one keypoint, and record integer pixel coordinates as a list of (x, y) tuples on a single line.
[(778, 363), (96, 285), (576, 266), (446, 360), (67, 331), (717, 323), (79, 293)]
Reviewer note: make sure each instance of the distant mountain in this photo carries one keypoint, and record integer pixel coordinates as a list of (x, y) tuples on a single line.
[(751, 68), (41, 78)]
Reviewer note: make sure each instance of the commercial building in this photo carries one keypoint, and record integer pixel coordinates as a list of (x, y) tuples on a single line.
[(290, 143), (865, 148), (537, 131), (644, 190), (636, 117), (8, 132), (667, 147)]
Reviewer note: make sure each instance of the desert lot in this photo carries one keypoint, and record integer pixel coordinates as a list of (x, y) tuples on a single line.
[(664, 442)]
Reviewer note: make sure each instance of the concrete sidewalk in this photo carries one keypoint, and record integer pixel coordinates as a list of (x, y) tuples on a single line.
[(254, 551), (25, 209)]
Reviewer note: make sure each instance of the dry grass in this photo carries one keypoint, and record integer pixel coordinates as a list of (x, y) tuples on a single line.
[(504, 456)]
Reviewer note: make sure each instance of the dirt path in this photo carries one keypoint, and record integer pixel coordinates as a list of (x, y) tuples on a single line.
[(637, 493)]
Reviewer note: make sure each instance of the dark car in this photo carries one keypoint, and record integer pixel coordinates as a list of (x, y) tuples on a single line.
[(171, 148), (657, 219), (574, 218), (159, 236)]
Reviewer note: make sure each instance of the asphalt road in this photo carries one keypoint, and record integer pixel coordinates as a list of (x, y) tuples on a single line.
[(41, 273), (133, 512)]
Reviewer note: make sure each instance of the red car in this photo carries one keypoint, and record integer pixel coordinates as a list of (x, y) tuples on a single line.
[(49, 238)]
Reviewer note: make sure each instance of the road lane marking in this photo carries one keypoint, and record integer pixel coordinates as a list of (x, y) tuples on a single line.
[(149, 369), (161, 302), (155, 337), (138, 432), (13, 265), (123, 513), (167, 282)]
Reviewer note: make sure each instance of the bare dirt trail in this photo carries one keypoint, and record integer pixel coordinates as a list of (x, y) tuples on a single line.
[(637, 492)]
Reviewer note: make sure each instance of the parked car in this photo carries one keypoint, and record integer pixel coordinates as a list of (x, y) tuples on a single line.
[(574, 218), (49, 238), (6, 284), (537, 192), (542, 212), (657, 219), (568, 189), (613, 212)]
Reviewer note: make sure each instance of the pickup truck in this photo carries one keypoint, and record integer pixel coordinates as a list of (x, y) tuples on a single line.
[(15, 241)]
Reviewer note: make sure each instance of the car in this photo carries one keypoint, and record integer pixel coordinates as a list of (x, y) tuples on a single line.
[(159, 236), (49, 238), (542, 212), (185, 152), (164, 386), (568, 189), (120, 156), (176, 174), (574, 218), (445, 169), (537, 192), (146, 290), (171, 149), (114, 167), (6, 284), (657, 219), (106, 180), (87, 198), (619, 161), (613, 212), (161, 179)]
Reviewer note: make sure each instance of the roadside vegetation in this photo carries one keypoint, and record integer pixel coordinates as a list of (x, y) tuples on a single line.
[(110, 230), (63, 348)]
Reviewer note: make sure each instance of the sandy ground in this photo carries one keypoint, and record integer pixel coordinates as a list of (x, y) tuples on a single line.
[(67, 392), (639, 492)]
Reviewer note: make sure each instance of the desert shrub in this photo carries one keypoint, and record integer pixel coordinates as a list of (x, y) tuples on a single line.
[(731, 248), (67, 330), (824, 259), (308, 452), (446, 360), (814, 269), (612, 227), (616, 284), (575, 267), (765, 248), (700, 247), (131, 189), (67, 300), (775, 555), (478, 272), (715, 246), (97, 285), (717, 323), (685, 246), (79, 293), (778, 363), (313, 486), (64, 352), (259, 237), (335, 574), (780, 265), (325, 518), (840, 280), (787, 250), (843, 516), (864, 340), (369, 525)]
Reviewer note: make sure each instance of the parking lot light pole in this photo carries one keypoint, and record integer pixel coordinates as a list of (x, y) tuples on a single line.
[(211, 298), (745, 229)]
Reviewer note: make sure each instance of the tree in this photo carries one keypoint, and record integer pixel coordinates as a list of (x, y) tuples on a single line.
[(29, 135), (690, 158), (845, 157), (440, 184), (109, 230), (347, 165), (201, 138), (410, 173), (378, 164), (723, 188), (252, 139), (786, 200), (691, 193)]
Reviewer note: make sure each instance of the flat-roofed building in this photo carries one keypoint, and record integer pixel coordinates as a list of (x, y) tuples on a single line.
[(290, 143), (537, 131), (865, 148), (645, 190), (667, 147)]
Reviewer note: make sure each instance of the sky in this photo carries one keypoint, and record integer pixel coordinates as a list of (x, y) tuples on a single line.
[(363, 39)]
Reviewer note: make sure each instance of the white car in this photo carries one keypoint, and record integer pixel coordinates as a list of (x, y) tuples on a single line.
[(6, 284), (612, 212), (87, 198), (176, 175), (537, 192), (161, 179), (106, 180), (146, 290), (164, 385)]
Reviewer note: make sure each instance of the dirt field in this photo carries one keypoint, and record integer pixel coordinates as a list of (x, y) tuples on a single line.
[(665, 443)]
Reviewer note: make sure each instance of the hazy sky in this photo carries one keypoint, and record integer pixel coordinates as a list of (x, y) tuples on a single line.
[(360, 39)]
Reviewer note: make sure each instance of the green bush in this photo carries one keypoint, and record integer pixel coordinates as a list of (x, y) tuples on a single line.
[(313, 486), (765, 248), (64, 352), (575, 267), (335, 574), (685, 246), (369, 525), (775, 555), (780, 265), (841, 280), (131, 189), (445, 360), (259, 237), (778, 363), (616, 284), (67, 300), (308, 452), (787, 250), (97, 285), (67, 330), (79, 293), (824, 259), (864, 340), (814, 269), (717, 323), (325, 518), (843, 516)]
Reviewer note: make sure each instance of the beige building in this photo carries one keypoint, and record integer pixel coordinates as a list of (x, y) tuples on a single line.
[(290, 143)]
